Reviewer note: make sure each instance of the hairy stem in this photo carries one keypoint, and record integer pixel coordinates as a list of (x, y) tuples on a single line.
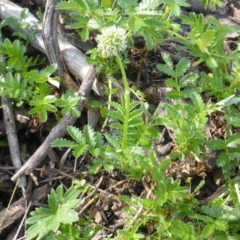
[(126, 102)]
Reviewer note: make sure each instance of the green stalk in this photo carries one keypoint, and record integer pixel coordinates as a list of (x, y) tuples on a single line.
[(126, 100)]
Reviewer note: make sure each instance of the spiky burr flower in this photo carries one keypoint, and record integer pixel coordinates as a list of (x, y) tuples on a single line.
[(111, 41)]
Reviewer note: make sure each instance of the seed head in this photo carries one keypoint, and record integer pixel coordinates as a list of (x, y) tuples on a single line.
[(111, 41)]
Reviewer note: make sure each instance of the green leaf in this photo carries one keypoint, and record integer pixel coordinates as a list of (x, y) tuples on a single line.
[(84, 34), (148, 39), (34, 110), (61, 142), (116, 115), (44, 220), (223, 159), (234, 140), (208, 230), (77, 6), (149, 4), (198, 102), (217, 144), (125, 4), (212, 62), (71, 194), (165, 69), (118, 107), (228, 101), (79, 150), (76, 135), (135, 23), (106, 3), (182, 67), (50, 108), (53, 81), (43, 115), (113, 141), (90, 136), (172, 83)]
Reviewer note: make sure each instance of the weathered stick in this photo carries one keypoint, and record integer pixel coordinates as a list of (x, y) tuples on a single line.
[(50, 39), (9, 122), (74, 59)]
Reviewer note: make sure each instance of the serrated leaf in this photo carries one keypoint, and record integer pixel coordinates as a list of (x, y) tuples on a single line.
[(221, 225), (43, 220), (90, 136), (165, 69), (222, 159), (234, 140), (212, 62), (149, 4), (108, 167), (134, 104), (75, 112), (49, 70), (134, 122), (118, 107), (216, 144), (99, 140), (182, 66), (76, 135), (148, 39), (174, 94), (50, 108), (84, 34), (116, 115), (135, 23), (208, 230), (79, 150), (125, 4), (172, 83), (61, 142), (213, 211), (198, 102), (113, 141), (93, 24), (76, 6), (135, 114)]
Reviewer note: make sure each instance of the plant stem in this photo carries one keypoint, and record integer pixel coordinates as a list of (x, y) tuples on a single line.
[(126, 102)]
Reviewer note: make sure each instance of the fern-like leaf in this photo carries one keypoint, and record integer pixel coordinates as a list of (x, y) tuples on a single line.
[(79, 150), (76, 135), (198, 102), (113, 141), (165, 69), (118, 107)]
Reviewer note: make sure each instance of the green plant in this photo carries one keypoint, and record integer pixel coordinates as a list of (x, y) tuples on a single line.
[(45, 221), (27, 86), (126, 143)]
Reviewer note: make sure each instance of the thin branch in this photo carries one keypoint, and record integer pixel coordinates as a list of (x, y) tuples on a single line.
[(50, 39)]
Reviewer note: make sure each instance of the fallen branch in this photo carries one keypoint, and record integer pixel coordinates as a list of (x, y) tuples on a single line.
[(50, 39), (9, 122)]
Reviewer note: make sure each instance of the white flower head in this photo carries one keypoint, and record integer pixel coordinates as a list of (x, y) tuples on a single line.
[(111, 41)]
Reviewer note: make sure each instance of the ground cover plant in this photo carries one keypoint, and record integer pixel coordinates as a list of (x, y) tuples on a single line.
[(162, 161)]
